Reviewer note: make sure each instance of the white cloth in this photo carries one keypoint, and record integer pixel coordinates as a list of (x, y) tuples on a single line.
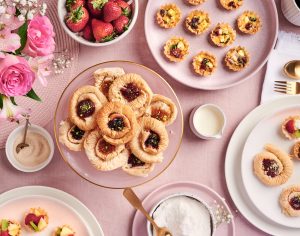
[(287, 49)]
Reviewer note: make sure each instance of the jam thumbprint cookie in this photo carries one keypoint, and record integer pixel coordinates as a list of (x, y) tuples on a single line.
[(64, 230), (9, 228), (249, 22), (36, 219), (195, 2), (231, 4), (71, 136), (204, 63), (136, 167), (273, 166), (84, 106), (290, 200), (103, 155), (291, 127), (168, 16), (117, 123), (162, 109), (176, 49), (197, 22), (131, 89), (104, 77), (237, 58), (223, 35), (150, 140)]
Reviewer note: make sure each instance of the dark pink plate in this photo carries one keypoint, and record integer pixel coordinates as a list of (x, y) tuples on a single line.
[(206, 194), (258, 45), (79, 162)]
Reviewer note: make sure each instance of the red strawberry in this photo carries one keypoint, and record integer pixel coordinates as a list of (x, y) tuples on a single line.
[(88, 33), (111, 11), (74, 4), (120, 24), (101, 30), (95, 7), (290, 126), (77, 19), (32, 217), (126, 10), (4, 233)]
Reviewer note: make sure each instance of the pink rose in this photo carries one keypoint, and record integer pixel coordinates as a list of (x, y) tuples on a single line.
[(40, 37), (16, 77)]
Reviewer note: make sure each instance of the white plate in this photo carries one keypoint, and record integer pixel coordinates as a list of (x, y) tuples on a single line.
[(265, 198), (62, 209), (233, 167)]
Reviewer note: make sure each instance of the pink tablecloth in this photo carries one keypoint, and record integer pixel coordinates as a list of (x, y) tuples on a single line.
[(203, 159)]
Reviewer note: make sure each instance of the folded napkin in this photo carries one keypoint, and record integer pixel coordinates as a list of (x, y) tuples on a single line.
[(287, 49)]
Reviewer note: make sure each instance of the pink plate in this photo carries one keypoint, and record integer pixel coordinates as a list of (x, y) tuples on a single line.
[(139, 225), (61, 207), (258, 45), (118, 178)]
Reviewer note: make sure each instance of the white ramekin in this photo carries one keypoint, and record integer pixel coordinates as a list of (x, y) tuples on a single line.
[(291, 11), (10, 143), (194, 129)]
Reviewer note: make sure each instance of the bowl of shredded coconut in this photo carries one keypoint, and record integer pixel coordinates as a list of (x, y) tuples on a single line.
[(183, 214)]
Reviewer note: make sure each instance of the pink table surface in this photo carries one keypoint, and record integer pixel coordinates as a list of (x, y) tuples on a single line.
[(204, 160)]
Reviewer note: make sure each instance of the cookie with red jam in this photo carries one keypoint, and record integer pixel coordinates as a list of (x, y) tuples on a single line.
[(71, 136), (131, 89), (117, 123), (290, 201), (273, 166), (136, 167), (103, 155), (104, 77), (84, 106), (150, 140), (162, 109)]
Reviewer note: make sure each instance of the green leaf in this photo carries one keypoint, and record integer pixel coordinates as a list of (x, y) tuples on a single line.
[(1, 101), (22, 32), (109, 37), (99, 4), (12, 99), (31, 94)]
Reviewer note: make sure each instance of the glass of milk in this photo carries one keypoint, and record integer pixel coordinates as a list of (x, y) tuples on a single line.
[(208, 121)]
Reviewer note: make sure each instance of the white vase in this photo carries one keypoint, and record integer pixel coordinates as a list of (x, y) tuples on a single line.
[(291, 11)]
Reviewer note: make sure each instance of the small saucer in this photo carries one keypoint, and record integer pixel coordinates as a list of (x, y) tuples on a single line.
[(10, 143)]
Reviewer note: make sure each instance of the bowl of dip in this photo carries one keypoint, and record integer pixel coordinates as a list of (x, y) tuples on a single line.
[(208, 121), (183, 214), (37, 155)]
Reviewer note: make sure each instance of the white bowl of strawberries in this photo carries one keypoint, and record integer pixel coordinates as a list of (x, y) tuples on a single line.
[(97, 22)]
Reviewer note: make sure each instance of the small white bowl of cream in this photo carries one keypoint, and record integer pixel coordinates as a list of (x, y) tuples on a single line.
[(183, 214), (37, 155), (208, 121)]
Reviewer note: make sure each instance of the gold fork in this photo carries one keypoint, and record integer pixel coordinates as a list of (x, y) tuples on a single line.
[(287, 87)]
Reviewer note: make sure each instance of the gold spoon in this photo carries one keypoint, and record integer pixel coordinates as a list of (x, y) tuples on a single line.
[(292, 69), (137, 204), (23, 144)]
